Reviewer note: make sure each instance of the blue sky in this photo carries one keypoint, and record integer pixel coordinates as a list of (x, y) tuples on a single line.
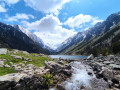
[(56, 20)]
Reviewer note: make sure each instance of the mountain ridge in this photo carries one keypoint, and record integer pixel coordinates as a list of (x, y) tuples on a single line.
[(14, 38), (85, 38)]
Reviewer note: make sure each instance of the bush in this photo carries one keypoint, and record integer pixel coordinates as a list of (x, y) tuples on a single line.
[(48, 80)]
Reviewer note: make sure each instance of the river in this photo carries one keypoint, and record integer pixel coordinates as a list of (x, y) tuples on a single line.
[(68, 56), (80, 80)]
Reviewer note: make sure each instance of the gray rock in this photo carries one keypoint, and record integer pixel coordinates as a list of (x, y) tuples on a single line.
[(107, 62), (10, 63), (107, 73), (1, 63), (16, 57), (3, 51), (7, 66), (12, 77), (115, 67), (30, 60), (60, 62), (90, 57), (60, 87), (25, 52), (54, 67), (67, 72)]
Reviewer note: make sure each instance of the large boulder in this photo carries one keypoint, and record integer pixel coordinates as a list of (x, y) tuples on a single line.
[(12, 77), (53, 66), (3, 51), (115, 67), (67, 72), (107, 73), (7, 82)]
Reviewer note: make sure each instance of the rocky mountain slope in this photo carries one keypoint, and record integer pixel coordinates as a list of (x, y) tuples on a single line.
[(97, 39), (12, 37)]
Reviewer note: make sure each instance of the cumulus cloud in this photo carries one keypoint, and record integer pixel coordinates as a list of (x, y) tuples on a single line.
[(50, 29), (19, 16), (2, 8), (45, 24), (96, 21), (11, 1), (79, 20), (48, 6)]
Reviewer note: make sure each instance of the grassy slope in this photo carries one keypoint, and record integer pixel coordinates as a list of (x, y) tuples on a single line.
[(37, 60)]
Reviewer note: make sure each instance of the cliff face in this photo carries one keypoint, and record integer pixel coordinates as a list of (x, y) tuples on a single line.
[(14, 38)]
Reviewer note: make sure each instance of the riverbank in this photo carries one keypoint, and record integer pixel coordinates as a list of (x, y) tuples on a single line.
[(106, 68), (38, 71), (103, 73), (20, 70)]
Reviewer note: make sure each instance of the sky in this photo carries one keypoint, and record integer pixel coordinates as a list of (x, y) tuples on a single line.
[(56, 20)]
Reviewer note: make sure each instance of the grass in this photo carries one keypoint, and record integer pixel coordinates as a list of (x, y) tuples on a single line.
[(37, 60), (4, 71)]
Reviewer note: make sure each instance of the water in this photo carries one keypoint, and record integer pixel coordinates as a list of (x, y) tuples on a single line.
[(68, 56), (80, 78)]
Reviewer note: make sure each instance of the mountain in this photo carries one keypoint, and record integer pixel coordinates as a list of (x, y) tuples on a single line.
[(96, 39), (14, 38), (33, 37)]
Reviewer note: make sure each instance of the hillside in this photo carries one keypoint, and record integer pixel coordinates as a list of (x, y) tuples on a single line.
[(100, 39), (12, 37)]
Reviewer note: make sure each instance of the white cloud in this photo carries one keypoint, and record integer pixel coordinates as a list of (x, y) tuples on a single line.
[(11, 1), (49, 29), (80, 20), (48, 6), (19, 16), (96, 21), (45, 24), (2, 8)]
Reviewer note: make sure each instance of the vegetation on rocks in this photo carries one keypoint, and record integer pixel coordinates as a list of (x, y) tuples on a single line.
[(48, 79), (15, 57), (4, 70)]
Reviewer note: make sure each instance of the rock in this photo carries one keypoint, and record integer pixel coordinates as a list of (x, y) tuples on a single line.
[(115, 81), (30, 60), (54, 67), (18, 68), (11, 63), (60, 87), (12, 77), (1, 63), (16, 57), (115, 67), (90, 57), (17, 87), (67, 66), (67, 72), (25, 62), (90, 73), (107, 73), (25, 52), (60, 62), (117, 77), (107, 62), (3, 51), (6, 66)]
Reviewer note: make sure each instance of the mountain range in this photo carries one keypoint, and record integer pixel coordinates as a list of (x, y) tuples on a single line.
[(99, 39), (102, 38), (16, 37)]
